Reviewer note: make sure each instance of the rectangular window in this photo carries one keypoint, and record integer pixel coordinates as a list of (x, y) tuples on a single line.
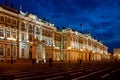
[(37, 30), (22, 36), (23, 28), (8, 33), (30, 37), (14, 35), (1, 33), (30, 28)]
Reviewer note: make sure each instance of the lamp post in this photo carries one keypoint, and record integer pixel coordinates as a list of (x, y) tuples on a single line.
[(69, 48)]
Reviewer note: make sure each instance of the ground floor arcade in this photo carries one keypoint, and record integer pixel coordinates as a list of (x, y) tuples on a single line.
[(42, 53)]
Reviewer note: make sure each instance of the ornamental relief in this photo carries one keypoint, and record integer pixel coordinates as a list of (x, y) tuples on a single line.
[(8, 20), (14, 22)]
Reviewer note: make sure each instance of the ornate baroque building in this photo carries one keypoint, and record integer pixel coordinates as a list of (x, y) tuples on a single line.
[(116, 53), (24, 36)]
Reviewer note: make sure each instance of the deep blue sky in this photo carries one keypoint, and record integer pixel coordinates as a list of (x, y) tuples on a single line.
[(99, 17)]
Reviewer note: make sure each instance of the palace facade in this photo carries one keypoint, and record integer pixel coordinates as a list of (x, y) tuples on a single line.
[(116, 53), (24, 36)]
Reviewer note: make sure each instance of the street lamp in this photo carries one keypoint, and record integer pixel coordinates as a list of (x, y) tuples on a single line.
[(69, 48)]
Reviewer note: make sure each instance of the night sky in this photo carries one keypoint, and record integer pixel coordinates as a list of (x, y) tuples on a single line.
[(99, 17)]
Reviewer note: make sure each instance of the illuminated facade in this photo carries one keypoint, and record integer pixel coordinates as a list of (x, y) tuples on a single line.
[(24, 36), (117, 53)]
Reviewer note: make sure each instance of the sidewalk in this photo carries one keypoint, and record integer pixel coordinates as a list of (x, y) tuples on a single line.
[(58, 63)]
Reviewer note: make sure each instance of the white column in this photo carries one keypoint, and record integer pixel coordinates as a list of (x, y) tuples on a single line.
[(44, 56), (53, 39), (40, 33), (27, 31)]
